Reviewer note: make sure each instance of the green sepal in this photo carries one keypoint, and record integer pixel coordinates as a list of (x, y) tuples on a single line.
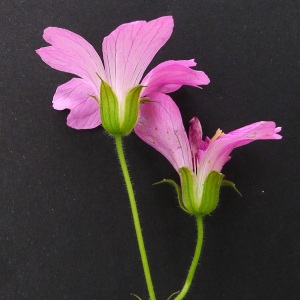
[(145, 100), (131, 109), (109, 109), (169, 298), (211, 191), (177, 189), (188, 191), (136, 296), (230, 184), (95, 97)]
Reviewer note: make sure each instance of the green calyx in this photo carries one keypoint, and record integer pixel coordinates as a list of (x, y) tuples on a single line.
[(200, 200), (117, 120), (188, 197), (196, 200)]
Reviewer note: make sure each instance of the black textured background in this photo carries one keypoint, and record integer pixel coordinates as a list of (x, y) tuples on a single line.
[(65, 222)]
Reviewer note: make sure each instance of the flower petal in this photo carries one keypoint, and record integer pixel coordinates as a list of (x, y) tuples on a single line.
[(76, 96), (217, 153), (160, 126), (129, 49), (170, 75), (195, 135), (71, 53)]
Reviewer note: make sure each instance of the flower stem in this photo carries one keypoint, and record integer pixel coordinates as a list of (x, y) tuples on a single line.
[(135, 216), (195, 260)]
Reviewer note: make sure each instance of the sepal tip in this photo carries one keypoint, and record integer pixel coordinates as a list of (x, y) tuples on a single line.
[(232, 185), (178, 192)]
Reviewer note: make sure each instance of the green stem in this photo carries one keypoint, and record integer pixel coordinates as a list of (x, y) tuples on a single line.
[(195, 260), (135, 215)]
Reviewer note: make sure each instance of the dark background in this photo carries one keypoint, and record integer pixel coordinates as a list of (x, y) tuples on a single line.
[(65, 223)]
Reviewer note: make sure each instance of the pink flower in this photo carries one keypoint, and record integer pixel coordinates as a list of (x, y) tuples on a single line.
[(127, 52), (160, 125)]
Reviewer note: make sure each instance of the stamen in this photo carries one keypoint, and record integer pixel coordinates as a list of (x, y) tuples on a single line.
[(218, 133)]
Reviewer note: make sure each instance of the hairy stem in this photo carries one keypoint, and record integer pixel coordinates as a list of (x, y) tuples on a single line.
[(191, 273), (135, 216)]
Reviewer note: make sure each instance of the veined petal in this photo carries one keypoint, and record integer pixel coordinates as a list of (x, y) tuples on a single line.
[(71, 53), (170, 75), (195, 135), (129, 49), (160, 126), (217, 153), (76, 96)]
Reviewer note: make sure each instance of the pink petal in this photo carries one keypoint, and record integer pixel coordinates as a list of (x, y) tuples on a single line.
[(160, 126), (217, 153), (170, 75), (71, 53), (195, 136), (76, 96), (129, 49)]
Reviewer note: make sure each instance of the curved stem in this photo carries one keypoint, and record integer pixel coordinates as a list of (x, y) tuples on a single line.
[(135, 216), (195, 260)]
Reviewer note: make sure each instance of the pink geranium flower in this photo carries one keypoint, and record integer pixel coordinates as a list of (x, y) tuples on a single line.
[(127, 52), (160, 125)]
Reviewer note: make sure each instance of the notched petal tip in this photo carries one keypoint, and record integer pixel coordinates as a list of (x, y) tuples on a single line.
[(270, 130), (276, 135)]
